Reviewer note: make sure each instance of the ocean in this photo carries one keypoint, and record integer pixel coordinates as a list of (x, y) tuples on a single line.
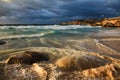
[(59, 41), (56, 36)]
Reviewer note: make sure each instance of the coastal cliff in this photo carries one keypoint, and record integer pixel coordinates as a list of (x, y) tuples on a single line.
[(104, 22)]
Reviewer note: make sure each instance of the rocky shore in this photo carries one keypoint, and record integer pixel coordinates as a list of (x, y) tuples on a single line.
[(59, 64), (104, 22)]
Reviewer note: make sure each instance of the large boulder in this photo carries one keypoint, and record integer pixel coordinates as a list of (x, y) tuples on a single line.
[(27, 57), (80, 63)]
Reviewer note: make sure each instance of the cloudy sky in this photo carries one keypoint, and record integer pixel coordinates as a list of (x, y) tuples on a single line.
[(55, 11)]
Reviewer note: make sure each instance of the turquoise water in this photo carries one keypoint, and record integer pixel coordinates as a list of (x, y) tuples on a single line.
[(49, 30), (51, 35)]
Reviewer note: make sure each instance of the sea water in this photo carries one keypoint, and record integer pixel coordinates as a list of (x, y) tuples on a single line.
[(75, 37), (51, 35)]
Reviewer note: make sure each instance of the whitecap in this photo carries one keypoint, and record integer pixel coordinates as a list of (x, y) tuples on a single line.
[(55, 27)]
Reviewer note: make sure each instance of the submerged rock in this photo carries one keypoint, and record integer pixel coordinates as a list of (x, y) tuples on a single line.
[(28, 58), (2, 42)]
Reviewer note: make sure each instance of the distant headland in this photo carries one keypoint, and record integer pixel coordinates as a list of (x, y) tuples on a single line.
[(104, 22)]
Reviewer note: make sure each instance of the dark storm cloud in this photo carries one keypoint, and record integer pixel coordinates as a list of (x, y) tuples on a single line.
[(55, 11), (88, 8), (114, 5), (3, 9)]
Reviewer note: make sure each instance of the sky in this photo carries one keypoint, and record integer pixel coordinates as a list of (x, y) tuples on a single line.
[(55, 11)]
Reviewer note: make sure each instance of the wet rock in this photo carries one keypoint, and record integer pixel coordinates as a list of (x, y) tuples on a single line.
[(80, 63), (2, 42), (27, 58)]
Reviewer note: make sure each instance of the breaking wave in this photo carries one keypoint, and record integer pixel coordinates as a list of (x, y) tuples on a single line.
[(56, 27)]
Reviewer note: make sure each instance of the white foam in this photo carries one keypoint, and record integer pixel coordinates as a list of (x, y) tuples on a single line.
[(22, 36), (27, 36), (56, 27)]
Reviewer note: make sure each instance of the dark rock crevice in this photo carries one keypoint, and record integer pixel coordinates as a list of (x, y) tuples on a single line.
[(2, 42)]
